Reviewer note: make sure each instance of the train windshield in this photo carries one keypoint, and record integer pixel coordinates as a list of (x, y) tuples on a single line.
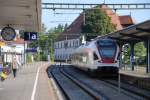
[(107, 48)]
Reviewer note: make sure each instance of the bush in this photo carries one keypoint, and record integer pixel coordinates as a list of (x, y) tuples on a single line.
[(29, 58), (43, 57)]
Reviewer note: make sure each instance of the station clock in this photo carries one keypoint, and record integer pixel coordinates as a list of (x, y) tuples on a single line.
[(8, 33)]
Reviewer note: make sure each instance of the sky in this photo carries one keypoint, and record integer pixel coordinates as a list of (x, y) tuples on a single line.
[(51, 19)]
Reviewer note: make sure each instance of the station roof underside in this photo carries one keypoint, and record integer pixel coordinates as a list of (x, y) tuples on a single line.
[(21, 14), (133, 33)]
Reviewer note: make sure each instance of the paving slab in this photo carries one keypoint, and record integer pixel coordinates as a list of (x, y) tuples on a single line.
[(23, 86)]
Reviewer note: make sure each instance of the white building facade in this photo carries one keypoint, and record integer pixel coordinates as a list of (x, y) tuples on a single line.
[(65, 48)]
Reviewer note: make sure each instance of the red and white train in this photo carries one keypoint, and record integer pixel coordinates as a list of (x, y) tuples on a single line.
[(99, 55)]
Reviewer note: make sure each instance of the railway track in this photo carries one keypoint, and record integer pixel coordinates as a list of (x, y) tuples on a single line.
[(72, 88), (111, 85), (127, 87)]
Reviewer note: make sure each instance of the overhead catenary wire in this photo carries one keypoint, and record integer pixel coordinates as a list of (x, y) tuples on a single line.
[(79, 6)]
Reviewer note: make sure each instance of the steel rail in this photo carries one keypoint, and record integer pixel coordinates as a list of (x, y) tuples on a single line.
[(78, 84), (125, 90), (129, 89), (57, 82), (84, 87)]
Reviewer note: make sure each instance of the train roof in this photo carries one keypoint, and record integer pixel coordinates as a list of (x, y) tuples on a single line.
[(89, 46)]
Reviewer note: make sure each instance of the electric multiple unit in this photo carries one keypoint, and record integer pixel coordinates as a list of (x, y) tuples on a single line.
[(100, 55)]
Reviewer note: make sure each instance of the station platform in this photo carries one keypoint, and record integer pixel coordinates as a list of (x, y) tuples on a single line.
[(138, 77), (138, 72), (31, 83)]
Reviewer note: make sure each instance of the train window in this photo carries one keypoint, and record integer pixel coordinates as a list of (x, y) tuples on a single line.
[(95, 56), (107, 48)]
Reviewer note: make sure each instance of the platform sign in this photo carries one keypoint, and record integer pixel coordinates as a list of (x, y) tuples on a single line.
[(29, 36), (33, 50)]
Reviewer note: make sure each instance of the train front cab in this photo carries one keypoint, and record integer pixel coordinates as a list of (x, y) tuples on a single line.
[(108, 51)]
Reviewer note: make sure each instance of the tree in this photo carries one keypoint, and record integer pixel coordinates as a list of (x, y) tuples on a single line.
[(46, 41), (139, 53), (41, 39), (21, 33), (65, 27), (43, 30), (97, 23), (52, 35)]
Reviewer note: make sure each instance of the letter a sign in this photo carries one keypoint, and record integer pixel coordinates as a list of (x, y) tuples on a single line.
[(30, 36), (33, 36)]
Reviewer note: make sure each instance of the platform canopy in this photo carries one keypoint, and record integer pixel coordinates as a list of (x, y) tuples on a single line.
[(21, 14), (133, 33)]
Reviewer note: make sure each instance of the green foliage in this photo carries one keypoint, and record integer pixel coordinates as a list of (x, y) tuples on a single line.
[(97, 23), (140, 50), (29, 58), (126, 54), (139, 53), (52, 35), (43, 56), (46, 41), (21, 32), (36, 57)]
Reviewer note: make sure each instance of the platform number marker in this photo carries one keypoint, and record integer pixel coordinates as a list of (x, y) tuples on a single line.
[(29, 36), (34, 37)]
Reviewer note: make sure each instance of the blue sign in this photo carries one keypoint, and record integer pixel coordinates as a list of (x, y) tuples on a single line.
[(31, 50), (30, 36)]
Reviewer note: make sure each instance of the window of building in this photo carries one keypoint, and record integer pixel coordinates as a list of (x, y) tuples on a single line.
[(57, 44), (72, 43), (61, 44), (68, 44)]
